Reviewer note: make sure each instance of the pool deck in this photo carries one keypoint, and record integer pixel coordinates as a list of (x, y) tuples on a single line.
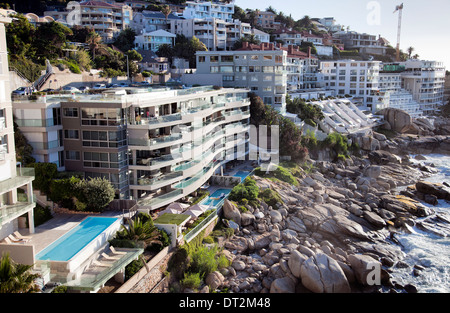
[(56, 227)]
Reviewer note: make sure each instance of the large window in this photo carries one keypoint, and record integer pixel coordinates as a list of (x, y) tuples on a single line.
[(71, 134), (106, 139), (102, 116), (70, 112), (105, 160)]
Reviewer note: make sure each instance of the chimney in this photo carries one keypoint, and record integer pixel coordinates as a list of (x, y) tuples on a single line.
[(245, 45), (271, 47), (309, 52), (262, 46), (279, 45), (290, 49)]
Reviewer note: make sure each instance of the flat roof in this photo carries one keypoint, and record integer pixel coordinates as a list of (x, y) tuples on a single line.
[(169, 218)]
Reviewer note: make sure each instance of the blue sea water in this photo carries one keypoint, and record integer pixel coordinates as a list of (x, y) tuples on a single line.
[(426, 249)]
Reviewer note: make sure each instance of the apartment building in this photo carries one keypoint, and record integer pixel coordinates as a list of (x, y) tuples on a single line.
[(358, 79), (107, 18), (266, 20), (425, 80), (202, 9), (237, 30), (16, 191), (149, 21), (41, 125), (153, 146), (288, 36), (211, 31), (154, 39), (364, 43), (260, 68)]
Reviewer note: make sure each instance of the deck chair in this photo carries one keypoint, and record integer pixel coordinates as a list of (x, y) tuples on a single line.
[(101, 264), (16, 240), (110, 257), (20, 236), (8, 241), (114, 251)]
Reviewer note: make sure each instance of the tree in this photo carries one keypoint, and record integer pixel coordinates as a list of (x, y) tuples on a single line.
[(19, 36), (166, 51), (44, 174), (24, 150), (96, 193), (291, 140), (140, 229), (15, 277), (250, 39), (125, 40), (166, 11), (410, 51), (50, 39)]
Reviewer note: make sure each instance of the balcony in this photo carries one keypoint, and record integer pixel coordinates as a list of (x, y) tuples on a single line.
[(24, 176)]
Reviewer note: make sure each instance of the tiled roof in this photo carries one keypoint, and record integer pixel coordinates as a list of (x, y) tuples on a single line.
[(100, 4)]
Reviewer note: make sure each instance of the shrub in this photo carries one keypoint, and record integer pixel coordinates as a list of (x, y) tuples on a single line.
[(192, 280), (270, 197), (248, 191), (204, 260), (337, 142)]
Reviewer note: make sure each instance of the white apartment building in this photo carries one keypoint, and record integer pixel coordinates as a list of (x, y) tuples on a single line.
[(358, 79), (202, 9), (364, 43), (262, 69), (107, 18), (41, 124), (390, 84), (153, 40), (149, 21), (425, 80), (16, 191), (237, 30), (177, 139), (211, 31)]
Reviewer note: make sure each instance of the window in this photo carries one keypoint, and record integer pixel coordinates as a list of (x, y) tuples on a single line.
[(214, 59), (254, 57), (278, 59), (269, 88), (226, 69), (70, 112), (268, 78), (73, 155), (201, 59), (227, 78), (214, 69), (226, 58), (267, 58), (267, 100), (241, 69), (71, 134), (254, 69), (267, 69)]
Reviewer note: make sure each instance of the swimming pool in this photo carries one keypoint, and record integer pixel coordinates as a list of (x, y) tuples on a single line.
[(215, 197), (71, 243), (242, 174)]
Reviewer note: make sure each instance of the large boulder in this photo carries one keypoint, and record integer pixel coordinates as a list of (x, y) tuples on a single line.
[(214, 280), (322, 274), (364, 267), (282, 285), (438, 190), (231, 212), (295, 262), (399, 120)]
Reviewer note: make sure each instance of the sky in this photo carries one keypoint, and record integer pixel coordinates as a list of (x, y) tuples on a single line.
[(425, 23)]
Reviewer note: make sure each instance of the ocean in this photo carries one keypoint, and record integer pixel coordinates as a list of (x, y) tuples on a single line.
[(428, 250)]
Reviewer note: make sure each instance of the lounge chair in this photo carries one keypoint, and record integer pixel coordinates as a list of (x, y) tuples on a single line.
[(8, 241), (101, 264), (110, 257), (114, 251), (17, 240), (20, 236)]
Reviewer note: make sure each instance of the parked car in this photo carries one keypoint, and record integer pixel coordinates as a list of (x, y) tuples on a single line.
[(123, 85), (84, 88), (112, 86), (48, 90), (22, 91), (71, 89), (99, 86)]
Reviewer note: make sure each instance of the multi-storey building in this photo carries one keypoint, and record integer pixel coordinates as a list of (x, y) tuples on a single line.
[(260, 68), (265, 20), (41, 125), (288, 36), (107, 18), (237, 30), (202, 9), (211, 31), (358, 79), (364, 43), (155, 147), (425, 80), (16, 191), (153, 40), (149, 21)]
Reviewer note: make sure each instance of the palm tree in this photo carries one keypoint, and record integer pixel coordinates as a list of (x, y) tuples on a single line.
[(410, 51), (141, 229), (15, 277), (166, 11), (94, 40)]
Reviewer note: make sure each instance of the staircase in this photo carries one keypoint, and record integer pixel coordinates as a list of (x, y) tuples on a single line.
[(43, 79)]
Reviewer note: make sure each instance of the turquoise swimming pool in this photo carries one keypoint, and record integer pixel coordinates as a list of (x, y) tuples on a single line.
[(216, 196), (66, 247), (242, 174)]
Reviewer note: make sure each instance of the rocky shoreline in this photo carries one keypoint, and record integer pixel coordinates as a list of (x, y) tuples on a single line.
[(334, 232)]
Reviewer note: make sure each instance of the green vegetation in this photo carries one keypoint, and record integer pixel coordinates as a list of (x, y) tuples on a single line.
[(280, 173), (308, 112), (183, 48), (16, 277), (247, 191)]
